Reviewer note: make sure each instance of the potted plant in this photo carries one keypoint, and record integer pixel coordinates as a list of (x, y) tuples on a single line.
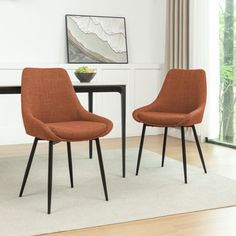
[(85, 74)]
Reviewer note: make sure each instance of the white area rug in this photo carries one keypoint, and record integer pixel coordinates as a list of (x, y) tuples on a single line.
[(155, 192)]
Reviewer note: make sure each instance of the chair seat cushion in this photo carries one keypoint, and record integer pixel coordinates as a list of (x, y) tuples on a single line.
[(78, 130), (162, 118)]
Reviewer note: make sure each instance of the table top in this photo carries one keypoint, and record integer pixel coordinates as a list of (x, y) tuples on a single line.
[(79, 87)]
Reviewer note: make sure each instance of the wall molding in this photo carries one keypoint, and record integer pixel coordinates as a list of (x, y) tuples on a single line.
[(73, 66)]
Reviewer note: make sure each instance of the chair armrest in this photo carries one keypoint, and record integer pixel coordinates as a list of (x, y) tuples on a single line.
[(150, 107), (37, 128), (195, 117), (88, 116)]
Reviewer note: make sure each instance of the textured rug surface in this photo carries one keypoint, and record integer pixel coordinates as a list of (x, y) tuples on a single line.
[(155, 192)]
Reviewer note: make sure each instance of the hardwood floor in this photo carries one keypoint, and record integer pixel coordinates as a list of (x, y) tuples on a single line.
[(206, 223), (220, 160)]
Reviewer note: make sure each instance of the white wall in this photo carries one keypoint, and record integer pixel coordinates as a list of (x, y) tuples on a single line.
[(33, 31)]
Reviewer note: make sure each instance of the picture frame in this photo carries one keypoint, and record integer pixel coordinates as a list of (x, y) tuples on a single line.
[(96, 39)]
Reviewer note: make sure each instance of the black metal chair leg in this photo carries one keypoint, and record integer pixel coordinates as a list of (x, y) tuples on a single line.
[(199, 149), (50, 163), (90, 149), (140, 148), (101, 168), (70, 164), (28, 166), (164, 146), (90, 108), (123, 130), (184, 154)]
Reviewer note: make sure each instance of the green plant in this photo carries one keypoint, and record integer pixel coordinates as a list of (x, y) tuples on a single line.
[(84, 69)]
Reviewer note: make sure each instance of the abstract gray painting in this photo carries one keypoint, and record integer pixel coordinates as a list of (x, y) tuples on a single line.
[(96, 39)]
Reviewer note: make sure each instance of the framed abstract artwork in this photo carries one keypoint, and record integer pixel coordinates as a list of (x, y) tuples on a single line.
[(96, 39)]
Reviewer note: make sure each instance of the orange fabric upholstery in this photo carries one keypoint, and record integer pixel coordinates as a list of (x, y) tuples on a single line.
[(87, 130), (52, 111), (181, 101)]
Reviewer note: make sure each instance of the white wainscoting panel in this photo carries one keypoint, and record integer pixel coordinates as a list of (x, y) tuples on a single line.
[(143, 84)]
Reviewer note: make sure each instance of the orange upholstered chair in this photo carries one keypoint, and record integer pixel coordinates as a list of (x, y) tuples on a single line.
[(180, 103), (51, 111)]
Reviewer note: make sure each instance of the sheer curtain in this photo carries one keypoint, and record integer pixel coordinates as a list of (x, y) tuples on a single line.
[(204, 53)]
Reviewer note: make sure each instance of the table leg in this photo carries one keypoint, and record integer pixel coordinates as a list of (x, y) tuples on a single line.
[(123, 130), (90, 108)]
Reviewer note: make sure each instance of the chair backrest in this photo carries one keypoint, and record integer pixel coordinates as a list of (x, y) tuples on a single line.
[(48, 95), (183, 91)]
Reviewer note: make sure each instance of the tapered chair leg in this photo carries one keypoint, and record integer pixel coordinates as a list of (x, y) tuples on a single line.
[(101, 168), (184, 154), (70, 164), (28, 166), (164, 146), (50, 164), (199, 149), (140, 148)]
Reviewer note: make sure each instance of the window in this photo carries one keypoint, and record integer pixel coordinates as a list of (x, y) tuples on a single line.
[(227, 94)]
